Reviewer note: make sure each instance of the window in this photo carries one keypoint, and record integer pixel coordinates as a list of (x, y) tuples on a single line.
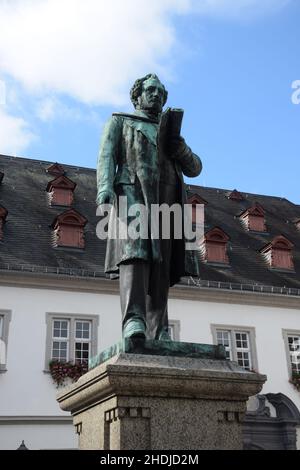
[(294, 349), (292, 345), (236, 342), (82, 340), (235, 196), (242, 344), (297, 223), (174, 330), (214, 246), (5, 317), (71, 337), (60, 191), (68, 230), (196, 200), (278, 254), (254, 218), (55, 169), (224, 337), (239, 343), (60, 340)]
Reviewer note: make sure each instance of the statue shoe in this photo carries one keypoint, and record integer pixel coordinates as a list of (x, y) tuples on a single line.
[(164, 336), (134, 329)]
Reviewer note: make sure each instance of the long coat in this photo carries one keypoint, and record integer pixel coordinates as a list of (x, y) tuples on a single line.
[(129, 165)]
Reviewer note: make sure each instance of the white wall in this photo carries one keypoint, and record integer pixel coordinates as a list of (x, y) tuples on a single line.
[(25, 390), (196, 319), (36, 437)]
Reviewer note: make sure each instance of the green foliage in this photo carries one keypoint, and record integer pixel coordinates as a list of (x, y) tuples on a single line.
[(295, 380)]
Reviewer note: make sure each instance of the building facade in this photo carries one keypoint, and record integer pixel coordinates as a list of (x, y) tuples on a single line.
[(57, 304)]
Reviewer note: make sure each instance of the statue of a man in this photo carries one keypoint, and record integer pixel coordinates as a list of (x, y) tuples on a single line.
[(139, 159)]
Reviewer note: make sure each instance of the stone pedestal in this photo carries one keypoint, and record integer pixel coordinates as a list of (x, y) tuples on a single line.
[(147, 402)]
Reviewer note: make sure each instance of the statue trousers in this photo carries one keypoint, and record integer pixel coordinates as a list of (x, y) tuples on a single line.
[(144, 285)]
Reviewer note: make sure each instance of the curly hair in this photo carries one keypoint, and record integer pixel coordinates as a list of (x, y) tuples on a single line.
[(137, 88)]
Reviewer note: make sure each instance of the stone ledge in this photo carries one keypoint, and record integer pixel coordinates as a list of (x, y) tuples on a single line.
[(161, 376)]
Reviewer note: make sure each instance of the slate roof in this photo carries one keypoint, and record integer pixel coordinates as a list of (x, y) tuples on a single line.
[(246, 264), (27, 232)]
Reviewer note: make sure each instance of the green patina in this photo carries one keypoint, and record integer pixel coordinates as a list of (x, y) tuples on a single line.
[(159, 348), (142, 160)]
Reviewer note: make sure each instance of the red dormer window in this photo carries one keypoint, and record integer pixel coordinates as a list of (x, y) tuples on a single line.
[(254, 218), (297, 223), (1, 176), (68, 229), (60, 191), (3, 215), (278, 253), (214, 246), (56, 169), (235, 196), (195, 199)]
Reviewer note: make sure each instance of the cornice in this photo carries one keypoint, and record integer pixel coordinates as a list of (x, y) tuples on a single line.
[(19, 419), (102, 285)]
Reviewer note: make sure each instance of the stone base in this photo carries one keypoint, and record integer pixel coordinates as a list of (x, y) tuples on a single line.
[(140, 402)]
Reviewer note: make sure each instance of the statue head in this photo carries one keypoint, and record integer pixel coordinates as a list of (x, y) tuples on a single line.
[(149, 94)]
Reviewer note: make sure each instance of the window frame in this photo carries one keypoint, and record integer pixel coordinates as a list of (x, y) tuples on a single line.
[(60, 339), (286, 333), (230, 350), (6, 315), (175, 324), (83, 340), (250, 330), (71, 318)]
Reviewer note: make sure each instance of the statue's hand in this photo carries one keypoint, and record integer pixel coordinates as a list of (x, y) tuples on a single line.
[(106, 197), (175, 146)]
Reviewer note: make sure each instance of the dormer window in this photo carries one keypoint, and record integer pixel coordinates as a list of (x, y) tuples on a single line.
[(1, 176), (214, 246), (253, 218), (235, 196), (60, 191), (56, 170), (278, 253), (195, 199), (3, 215), (297, 223), (68, 229)]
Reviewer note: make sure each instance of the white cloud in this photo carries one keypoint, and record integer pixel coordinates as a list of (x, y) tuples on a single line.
[(45, 110), (15, 134), (51, 108), (88, 49), (93, 49), (2, 92)]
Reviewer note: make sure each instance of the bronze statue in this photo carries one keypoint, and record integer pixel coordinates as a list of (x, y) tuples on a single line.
[(143, 158)]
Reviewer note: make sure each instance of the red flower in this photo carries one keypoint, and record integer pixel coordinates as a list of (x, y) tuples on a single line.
[(63, 370)]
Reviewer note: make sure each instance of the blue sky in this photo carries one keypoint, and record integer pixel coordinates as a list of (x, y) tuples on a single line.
[(65, 66)]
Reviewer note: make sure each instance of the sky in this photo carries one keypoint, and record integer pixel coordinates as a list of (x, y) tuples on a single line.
[(232, 65)]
